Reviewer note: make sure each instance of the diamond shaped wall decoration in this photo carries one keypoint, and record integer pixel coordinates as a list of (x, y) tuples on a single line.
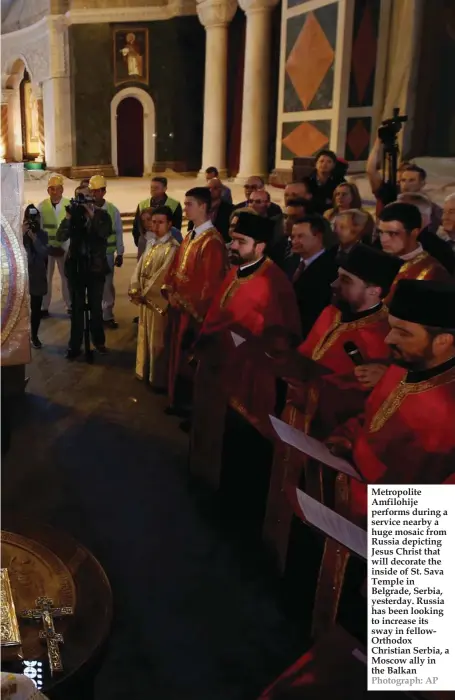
[(305, 140), (358, 139), (309, 60), (364, 54)]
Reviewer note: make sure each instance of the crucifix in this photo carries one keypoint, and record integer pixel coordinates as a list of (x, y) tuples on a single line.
[(45, 612)]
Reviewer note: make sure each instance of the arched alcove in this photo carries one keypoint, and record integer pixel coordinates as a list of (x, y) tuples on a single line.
[(149, 126)]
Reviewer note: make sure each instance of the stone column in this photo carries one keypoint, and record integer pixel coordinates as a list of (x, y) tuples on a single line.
[(215, 15), (253, 145), (38, 92), (4, 126), (56, 94)]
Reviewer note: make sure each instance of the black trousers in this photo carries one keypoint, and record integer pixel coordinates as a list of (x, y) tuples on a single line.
[(35, 313), (95, 288)]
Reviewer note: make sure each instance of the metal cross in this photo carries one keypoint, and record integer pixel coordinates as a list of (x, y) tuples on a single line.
[(45, 612)]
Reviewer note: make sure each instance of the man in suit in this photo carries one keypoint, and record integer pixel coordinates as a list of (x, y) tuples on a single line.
[(256, 184), (315, 269)]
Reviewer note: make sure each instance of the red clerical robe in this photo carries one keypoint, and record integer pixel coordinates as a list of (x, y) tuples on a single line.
[(317, 406), (340, 395), (422, 267), (406, 435), (192, 280), (250, 305)]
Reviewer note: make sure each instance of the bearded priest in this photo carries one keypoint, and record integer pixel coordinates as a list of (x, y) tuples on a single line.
[(406, 434), (256, 300)]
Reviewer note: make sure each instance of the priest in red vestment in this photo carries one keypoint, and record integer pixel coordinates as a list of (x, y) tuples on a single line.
[(399, 226), (357, 322), (349, 332), (406, 434), (255, 299), (192, 280)]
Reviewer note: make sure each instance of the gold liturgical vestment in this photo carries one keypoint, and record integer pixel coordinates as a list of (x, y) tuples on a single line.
[(145, 290)]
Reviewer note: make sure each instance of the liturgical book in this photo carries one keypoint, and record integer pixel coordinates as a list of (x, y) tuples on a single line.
[(330, 523), (313, 448)]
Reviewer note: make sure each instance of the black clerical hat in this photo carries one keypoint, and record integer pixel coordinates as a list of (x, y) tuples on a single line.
[(425, 302), (254, 226), (373, 266)]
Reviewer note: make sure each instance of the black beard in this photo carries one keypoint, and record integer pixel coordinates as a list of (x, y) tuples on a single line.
[(235, 259)]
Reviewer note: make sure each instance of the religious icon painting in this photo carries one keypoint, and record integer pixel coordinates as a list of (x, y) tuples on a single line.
[(131, 55)]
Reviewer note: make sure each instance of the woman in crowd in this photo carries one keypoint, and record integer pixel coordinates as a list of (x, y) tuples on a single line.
[(346, 197)]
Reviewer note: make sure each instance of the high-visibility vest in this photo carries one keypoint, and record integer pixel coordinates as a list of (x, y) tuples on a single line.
[(51, 220), (171, 203), (112, 240)]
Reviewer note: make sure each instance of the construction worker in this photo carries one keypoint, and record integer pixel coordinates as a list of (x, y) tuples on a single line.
[(158, 198), (115, 249), (52, 212)]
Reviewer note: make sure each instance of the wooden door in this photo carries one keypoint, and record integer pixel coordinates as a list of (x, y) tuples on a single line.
[(130, 138)]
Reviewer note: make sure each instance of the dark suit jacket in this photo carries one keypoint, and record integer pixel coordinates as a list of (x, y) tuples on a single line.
[(313, 290), (221, 220)]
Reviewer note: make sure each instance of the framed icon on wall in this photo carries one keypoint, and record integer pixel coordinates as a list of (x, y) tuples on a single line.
[(131, 55)]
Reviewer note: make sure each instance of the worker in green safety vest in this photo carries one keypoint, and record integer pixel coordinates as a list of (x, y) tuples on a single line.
[(115, 248), (158, 198), (52, 211)]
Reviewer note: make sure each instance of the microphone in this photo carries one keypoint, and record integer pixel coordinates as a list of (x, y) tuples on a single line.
[(354, 353)]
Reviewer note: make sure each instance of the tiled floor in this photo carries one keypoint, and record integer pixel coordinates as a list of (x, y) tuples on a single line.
[(94, 454)]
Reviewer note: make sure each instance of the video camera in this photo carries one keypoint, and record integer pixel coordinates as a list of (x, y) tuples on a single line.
[(390, 128), (33, 218), (77, 204)]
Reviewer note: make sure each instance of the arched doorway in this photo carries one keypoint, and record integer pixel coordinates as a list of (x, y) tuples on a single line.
[(147, 131), (130, 138), (20, 128)]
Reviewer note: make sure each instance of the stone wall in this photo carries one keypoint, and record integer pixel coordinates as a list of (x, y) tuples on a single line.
[(24, 14), (109, 4), (176, 83)]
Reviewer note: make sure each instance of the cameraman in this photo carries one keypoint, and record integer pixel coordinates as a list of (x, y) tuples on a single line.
[(88, 229), (35, 244)]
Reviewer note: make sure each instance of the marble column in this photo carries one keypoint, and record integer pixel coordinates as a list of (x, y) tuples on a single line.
[(4, 126), (215, 15), (38, 92), (57, 123), (253, 145)]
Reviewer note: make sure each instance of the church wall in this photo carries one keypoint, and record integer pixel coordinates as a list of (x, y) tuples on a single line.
[(24, 14), (176, 83), (332, 73)]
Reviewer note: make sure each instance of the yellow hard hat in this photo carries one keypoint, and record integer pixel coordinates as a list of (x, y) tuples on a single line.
[(97, 182), (55, 181)]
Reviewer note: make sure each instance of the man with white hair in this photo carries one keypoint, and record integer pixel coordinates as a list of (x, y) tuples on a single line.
[(447, 229), (428, 239)]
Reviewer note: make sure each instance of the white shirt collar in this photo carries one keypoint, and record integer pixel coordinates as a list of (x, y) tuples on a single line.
[(413, 254), (314, 257), (255, 262), (202, 228)]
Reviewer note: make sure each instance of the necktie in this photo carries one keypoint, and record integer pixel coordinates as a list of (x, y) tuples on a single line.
[(298, 272)]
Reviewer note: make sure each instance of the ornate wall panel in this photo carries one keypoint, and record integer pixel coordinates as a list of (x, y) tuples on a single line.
[(332, 71)]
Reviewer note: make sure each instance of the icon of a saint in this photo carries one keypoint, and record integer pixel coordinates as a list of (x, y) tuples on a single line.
[(132, 56)]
